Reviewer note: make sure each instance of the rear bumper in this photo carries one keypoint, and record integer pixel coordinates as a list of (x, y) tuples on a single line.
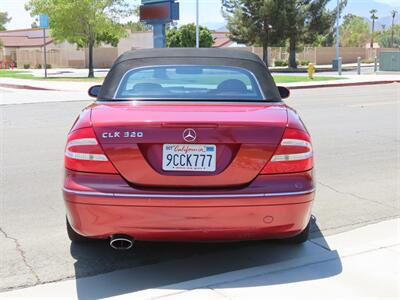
[(101, 205)]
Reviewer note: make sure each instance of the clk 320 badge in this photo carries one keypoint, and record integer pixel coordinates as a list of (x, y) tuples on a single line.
[(122, 134)]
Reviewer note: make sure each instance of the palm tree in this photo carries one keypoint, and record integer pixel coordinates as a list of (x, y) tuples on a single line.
[(394, 13), (373, 18)]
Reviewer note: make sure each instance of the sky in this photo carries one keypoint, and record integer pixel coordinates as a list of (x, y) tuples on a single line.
[(210, 11)]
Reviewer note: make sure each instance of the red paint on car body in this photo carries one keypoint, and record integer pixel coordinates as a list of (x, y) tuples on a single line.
[(144, 201)]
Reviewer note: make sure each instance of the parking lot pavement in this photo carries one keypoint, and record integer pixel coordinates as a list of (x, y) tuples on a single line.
[(355, 134), (356, 264)]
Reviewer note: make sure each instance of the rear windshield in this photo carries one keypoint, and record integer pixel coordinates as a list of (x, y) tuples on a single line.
[(189, 82)]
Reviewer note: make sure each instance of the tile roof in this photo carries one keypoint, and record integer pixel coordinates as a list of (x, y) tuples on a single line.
[(221, 39), (32, 37)]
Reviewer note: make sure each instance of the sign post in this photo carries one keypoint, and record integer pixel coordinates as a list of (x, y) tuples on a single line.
[(44, 23), (159, 13)]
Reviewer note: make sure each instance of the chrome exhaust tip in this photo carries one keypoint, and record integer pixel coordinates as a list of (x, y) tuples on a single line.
[(121, 242)]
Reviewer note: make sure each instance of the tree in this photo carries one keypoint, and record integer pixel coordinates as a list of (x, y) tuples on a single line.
[(256, 22), (373, 18), (354, 31), (306, 20), (4, 19), (298, 21), (387, 40), (86, 23), (393, 13), (137, 26), (185, 36)]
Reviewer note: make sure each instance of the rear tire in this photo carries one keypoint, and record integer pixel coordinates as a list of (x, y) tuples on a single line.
[(301, 238), (74, 236)]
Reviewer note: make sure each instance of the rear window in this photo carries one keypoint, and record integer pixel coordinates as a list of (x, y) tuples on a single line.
[(189, 82)]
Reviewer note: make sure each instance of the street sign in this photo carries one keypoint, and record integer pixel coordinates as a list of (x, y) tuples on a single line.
[(43, 20), (162, 12), (158, 13)]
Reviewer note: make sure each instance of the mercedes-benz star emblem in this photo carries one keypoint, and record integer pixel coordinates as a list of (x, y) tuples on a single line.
[(189, 135)]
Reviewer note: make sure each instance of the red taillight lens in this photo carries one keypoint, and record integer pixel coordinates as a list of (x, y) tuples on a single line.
[(294, 154), (83, 153)]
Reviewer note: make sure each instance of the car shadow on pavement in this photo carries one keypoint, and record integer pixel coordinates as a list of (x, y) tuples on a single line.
[(159, 265)]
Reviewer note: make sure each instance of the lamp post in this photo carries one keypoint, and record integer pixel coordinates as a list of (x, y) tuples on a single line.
[(197, 25)]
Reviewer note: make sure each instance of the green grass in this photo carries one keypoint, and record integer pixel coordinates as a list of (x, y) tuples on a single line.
[(278, 78), (293, 78), (28, 75)]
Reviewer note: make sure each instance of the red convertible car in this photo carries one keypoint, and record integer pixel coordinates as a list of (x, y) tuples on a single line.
[(188, 145)]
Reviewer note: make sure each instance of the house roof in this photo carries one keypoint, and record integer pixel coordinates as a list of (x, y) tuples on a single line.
[(221, 39), (32, 37)]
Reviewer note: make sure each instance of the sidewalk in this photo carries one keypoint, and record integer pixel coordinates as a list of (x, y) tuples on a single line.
[(361, 263), (350, 80)]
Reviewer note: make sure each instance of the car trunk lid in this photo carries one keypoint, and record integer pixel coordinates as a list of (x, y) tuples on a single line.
[(133, 136)]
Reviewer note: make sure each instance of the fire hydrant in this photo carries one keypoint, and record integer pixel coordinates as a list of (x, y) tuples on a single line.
[(311, 70)]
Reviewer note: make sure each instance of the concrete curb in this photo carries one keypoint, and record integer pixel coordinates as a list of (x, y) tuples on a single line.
[(300, 87)]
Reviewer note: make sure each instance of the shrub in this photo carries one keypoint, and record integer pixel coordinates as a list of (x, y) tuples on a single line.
[(27, 66), (367, 61), (281, 63), (39, 66), (304, 62)]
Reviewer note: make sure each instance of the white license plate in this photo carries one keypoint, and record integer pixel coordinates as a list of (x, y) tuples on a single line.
[(189, 157)]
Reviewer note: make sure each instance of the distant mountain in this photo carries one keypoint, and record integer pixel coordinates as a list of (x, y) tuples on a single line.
[(222, 29), (215, 25), (386, 21), (362, 8)]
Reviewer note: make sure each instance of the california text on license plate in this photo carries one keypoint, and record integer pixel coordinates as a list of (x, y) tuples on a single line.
[(188, 157)]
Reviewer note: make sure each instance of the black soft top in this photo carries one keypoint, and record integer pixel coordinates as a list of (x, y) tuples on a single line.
[(189, 56)]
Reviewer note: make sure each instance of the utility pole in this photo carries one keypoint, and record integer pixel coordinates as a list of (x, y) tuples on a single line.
[(337, 31), (197, 25), (338, 59)]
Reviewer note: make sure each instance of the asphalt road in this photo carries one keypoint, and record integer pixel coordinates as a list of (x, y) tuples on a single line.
[(356, 135)]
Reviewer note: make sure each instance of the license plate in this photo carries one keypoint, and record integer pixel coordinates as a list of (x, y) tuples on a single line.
[(188, 157)]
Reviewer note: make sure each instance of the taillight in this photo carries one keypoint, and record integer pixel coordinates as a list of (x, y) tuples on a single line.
[(83, 153), (294, 154)]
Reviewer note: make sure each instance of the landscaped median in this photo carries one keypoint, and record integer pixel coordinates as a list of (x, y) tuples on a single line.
[(301, 78)]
